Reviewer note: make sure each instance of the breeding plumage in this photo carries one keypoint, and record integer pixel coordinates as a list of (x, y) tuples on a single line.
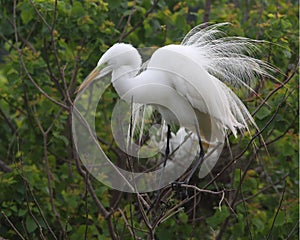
[(187, 82)]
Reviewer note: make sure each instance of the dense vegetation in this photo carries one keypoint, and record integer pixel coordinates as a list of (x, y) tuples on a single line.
[(48, 47)]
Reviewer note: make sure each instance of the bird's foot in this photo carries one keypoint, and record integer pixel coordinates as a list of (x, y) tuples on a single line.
[(183, 192)]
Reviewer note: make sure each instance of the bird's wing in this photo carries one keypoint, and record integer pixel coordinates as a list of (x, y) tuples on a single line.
[(204, 92), (204, 62)]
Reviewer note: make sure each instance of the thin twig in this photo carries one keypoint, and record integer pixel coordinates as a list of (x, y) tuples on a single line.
[(128, 225), (207, 11), (293, 230), (47, 165), (276, 89), (261, 191), (127, 24), (139, 23), (28, 188), (131, 216), (38, 206), (192, 235), (8, 121), (40, 15), (234, 199), (12, 225), (101, 208), (20, 55), (284, 132), (167, 216), (248, 144), (202, 190), (66, 228), (246, 211), (276, 214), (27, 200), (86, 206)]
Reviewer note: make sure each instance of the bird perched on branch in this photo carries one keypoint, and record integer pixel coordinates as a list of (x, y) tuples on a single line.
[(188, 83)]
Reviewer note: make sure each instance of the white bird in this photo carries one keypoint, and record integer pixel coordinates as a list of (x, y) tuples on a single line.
[(187, 82)]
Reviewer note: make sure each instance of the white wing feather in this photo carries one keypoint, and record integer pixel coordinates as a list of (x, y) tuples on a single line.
[(199, 68)]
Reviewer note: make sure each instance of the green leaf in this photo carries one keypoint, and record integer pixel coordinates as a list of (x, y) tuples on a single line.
[(263, 113), (112, 4), (30, 224), (78, 10), (280, 219), (219, 216), (259, 224), (27, 11), (61, 137), (22, 212), (180, 21), (183, 217), (26, 15)]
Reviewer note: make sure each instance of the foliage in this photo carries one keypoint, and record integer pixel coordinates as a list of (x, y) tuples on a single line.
[(48, 47)]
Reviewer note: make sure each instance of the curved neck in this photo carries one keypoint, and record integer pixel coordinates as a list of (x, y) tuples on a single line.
[(122, 78)]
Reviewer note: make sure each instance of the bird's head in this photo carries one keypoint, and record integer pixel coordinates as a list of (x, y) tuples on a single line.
[(120, 54)]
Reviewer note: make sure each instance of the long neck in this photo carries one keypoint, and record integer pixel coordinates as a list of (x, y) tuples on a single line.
[(138, 88), (122, 79)]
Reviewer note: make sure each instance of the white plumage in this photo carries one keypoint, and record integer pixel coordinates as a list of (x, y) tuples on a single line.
[(187, 82)]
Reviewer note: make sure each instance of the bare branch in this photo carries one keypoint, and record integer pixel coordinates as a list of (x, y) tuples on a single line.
[(276, 89), (276, 214), (26, 183), (20, 55), (206, 11), (8, 121), (261, 191), (12, 225), (139, 23)]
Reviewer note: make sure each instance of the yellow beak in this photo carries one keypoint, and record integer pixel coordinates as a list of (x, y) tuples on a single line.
[(93, 74)]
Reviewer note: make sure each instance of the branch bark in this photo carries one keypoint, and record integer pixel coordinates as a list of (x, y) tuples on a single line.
[(207, 11)]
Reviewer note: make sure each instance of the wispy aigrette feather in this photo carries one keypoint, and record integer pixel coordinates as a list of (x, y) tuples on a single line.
[(227, 58), (231, 61)]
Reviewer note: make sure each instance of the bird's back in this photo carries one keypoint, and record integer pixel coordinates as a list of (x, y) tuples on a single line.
[(184, 67)]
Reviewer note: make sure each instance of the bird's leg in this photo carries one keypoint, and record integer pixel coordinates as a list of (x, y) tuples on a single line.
[(177, 185), (167, 152), (198, 163)]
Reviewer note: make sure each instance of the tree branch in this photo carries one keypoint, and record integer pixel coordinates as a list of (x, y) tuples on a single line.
[(139, 23), (20, 55), (206, 11)]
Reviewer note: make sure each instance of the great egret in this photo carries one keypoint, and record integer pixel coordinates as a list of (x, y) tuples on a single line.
[(187, 82)]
